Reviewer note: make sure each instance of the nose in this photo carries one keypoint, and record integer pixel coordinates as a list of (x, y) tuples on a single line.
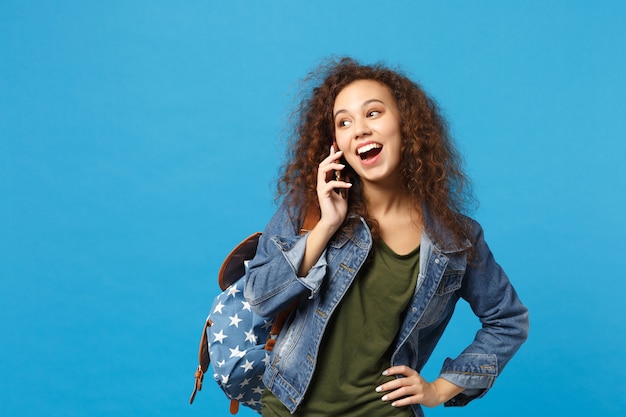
[(361, 128)]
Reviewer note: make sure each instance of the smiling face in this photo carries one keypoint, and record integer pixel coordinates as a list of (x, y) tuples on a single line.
[(367, 130)]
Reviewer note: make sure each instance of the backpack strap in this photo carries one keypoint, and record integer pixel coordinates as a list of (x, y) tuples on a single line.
[(311, 218), (233, 266), (203, 360)]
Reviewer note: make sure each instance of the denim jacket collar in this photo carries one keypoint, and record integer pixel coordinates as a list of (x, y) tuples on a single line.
[(443, 241)]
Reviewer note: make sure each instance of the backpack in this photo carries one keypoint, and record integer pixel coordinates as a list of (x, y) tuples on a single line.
[(236, 340)]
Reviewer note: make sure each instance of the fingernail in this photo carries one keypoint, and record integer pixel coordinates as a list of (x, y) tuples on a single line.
[(379, 389), (393, 404), (384, 398), (385, 373)]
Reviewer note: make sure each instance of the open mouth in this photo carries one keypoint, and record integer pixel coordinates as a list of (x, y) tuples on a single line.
[(369, 151)]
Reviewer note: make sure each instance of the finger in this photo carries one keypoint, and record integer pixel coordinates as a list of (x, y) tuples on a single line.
[(330, 186), (398, 383), (341, 188), (333, 166), (333, 156), (400, 370), (390, 386), (403, 402), (399, 394), (326, 172)]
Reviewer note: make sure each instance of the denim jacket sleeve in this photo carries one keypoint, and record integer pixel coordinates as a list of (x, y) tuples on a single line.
[(504, 322), (272, 280)]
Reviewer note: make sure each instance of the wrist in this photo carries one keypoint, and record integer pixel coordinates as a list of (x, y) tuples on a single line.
[(326, 228), (445, 390)]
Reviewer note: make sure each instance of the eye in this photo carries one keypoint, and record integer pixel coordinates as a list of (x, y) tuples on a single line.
[(373, 113), (344, 123)]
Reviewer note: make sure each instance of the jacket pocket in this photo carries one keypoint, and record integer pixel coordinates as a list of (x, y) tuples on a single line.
[(451, 281), (440, 306)]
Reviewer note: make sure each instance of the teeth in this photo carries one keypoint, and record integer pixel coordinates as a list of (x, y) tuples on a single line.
[(368, 148)]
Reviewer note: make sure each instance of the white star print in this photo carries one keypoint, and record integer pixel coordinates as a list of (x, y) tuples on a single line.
[(267, 360), (232, 291), (234, 320), (258, 390), (246, 306), (220, 336), (252, 402), (251, 337), (267, 324), (247, 366), (236, 352), (245, 382), (219, 307)]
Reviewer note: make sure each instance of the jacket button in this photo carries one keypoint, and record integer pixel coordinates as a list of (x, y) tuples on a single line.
[(437, 261)]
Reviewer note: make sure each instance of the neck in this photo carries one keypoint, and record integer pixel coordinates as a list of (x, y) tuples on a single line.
[(384, 199), (398, 218)]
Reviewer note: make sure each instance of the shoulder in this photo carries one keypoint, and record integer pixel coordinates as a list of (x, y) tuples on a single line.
[(286, 219), (447, 240), (473, 226)]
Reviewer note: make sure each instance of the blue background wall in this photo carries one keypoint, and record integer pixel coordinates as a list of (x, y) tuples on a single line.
[(140, 140)]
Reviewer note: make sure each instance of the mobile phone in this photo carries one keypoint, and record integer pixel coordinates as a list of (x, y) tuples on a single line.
[(338, 176)]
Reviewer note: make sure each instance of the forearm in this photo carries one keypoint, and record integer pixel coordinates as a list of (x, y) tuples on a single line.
[(316, 242), (271, 276)]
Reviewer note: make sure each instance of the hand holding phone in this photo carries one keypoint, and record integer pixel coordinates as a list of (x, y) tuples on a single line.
[(338, 177)]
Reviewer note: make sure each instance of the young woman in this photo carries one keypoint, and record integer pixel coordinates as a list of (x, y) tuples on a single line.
[(376, 280)]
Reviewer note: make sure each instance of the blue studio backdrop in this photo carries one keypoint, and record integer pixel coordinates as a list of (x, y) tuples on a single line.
[(141, 140)]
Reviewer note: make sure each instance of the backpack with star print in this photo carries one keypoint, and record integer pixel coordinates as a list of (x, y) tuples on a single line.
[(235, 340)]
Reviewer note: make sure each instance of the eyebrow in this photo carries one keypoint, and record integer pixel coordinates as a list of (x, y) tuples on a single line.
[(365, 104)]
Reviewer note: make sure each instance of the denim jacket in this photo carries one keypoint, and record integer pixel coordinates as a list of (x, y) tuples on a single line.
[(272, 284)]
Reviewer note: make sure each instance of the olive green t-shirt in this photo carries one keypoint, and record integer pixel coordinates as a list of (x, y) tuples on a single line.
[(358, 343)]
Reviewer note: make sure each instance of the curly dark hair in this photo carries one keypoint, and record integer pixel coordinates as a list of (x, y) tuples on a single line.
[(431, 166)]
